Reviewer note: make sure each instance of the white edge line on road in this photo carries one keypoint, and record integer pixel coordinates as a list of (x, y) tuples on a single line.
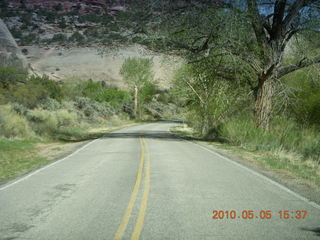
[(313, 204), (46, 166)]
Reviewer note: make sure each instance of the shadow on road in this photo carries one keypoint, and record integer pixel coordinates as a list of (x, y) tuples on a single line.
[(315, 230), (163, 135)]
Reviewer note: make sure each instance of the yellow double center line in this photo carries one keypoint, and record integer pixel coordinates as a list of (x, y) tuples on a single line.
[(143, 206)]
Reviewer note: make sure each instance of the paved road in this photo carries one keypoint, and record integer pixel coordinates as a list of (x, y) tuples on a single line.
[(143, 183)]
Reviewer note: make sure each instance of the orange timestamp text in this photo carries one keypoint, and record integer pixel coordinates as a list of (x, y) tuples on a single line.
[(261, 214)]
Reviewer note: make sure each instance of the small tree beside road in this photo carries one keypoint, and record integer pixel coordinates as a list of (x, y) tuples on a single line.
[(137, 72)]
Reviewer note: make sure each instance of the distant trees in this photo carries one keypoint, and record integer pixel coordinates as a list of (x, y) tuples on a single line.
[(137, 72)]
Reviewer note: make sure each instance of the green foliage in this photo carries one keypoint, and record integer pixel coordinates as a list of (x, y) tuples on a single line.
[(13, 124), (90, 18), (50, 104), (138, 74), (77, 37), (284, 135), (92, 110), (59, 38), (28, 39), (33, 91), (72, 88), (49, 15), (147, 92), (43, 122), (304, 99), (209, 100), (48, 123), (92, 89), (10, 75), (62, 24), (137, 71), (16, 32), (92, 33), (115, 97), (58, 7), (97, 91)]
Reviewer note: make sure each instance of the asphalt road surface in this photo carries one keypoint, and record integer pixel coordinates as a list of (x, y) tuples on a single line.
[(144, 183)]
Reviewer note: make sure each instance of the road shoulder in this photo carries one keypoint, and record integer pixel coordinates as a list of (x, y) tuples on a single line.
[(248, 159)]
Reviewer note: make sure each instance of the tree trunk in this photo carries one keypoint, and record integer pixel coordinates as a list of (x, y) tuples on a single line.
[(205, 127), (135, 109), (205, 123), (263, 107)]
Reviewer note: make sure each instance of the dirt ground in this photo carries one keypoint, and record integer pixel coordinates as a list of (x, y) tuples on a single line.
[(61, 63)]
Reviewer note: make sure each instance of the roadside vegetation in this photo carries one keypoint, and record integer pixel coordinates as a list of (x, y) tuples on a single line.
[(35, 110), (235, 93), (221, 112)]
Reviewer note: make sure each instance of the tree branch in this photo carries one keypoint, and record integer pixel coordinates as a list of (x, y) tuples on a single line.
[(293, 11), (279, 9), (257, 24), (301, 64)]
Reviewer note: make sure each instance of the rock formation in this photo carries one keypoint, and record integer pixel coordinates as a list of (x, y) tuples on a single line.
[(10, 54)]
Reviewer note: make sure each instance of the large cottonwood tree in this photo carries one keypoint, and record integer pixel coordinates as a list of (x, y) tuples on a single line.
[(201, 29), (273, 32)]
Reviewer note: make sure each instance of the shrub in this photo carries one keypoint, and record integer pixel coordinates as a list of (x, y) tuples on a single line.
[(304, 98), (91, 89), (44, 122), (66, 118), (9, 76), (20, 109), (59, 37), (28, 39), (35, 91), (77, 37), (93, 110), (50, 104), (13, 124), (115, 97), (72, 88)]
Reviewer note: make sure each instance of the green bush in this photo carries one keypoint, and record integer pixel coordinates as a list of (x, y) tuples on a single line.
[(97, 91), (304, 98), (13, 124), (50, 104), (59, 38), (72, 88), (94, 111), (115, 97), (77, 37), (35, 91), (18, 108), (44, 122), (10, 75), (28, 39), (66, 118), (91, 89)]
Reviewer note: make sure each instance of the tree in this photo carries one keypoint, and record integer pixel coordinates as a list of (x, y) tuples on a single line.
[(209, 99), (255, 32), (273, 33), (137, 72)]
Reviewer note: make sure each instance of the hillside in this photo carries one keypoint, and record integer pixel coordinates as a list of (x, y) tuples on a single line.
[(65, 39), (85, 63)]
